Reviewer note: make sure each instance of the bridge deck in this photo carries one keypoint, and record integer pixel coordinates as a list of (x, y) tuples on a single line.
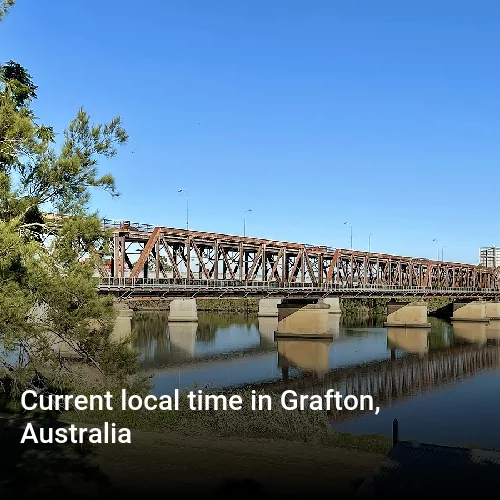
[(419, 468), (163, 287)]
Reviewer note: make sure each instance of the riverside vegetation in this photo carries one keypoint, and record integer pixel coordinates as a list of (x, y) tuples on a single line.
[(305, 426), (48, 294), (47, 290), (349, 307)]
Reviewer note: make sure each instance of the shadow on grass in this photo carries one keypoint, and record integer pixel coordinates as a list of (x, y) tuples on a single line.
[(32, 469), (420, 469), (29, 469)]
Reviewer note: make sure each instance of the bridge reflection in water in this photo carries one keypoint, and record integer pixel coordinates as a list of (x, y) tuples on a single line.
[(411, 340), (309, 356), (388, 363), (418, 370), (470, 333)]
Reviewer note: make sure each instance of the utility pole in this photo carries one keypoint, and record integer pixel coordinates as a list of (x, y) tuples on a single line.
[(350, 226), (245, 221), (187, 206)]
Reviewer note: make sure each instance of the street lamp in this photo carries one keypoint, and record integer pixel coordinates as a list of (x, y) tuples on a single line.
[(187, 206), (245, 221), (436, 242), (370, 242), (350, 225), (442, 252)]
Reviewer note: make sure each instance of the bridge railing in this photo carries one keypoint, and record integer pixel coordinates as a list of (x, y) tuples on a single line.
[(151, 283), (123, 224)]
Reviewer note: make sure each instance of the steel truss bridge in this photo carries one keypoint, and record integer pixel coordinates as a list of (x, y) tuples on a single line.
[(160, 261)]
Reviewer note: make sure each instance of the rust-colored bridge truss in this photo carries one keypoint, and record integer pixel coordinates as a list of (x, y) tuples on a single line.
[(166, 256)]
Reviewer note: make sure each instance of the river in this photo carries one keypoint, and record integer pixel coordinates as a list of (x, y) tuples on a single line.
[(234, 350)]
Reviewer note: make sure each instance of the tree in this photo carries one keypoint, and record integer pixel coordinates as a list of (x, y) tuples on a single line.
[(47, 292), (5, 6)]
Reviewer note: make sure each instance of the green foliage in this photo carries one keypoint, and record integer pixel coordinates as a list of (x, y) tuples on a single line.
[(278, 424), (48, 295), (5, 6)]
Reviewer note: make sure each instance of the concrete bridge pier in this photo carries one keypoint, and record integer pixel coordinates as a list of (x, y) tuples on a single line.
[(412, 340), (334, 325), (121, 330), (407, 315), (268, 308), (334, 303), (123, 322), (306, 318), (470, 311), (183, 310)]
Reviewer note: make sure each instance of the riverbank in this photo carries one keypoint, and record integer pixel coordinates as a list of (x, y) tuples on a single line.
[(180, 465), (351, 307), (208, 305), (273, 422), (308, 426), (234, 465)]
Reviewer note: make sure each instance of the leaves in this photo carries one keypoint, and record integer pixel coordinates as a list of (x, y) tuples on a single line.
[(48, 292), (5, 6)]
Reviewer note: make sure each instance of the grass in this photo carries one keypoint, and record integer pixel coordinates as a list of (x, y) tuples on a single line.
[(279, 424)]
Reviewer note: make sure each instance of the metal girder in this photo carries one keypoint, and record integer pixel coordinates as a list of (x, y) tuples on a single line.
[(181, 254)]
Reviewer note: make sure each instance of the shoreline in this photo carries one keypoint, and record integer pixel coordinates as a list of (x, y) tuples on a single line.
[(177, 462), (351, 307)]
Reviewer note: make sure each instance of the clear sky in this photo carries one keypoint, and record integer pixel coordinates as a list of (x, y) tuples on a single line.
[(381, 113)]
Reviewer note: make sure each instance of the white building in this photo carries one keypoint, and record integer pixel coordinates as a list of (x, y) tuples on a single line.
[(489, 256)]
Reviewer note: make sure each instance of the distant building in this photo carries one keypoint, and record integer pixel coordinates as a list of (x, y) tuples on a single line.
[(489, 256)]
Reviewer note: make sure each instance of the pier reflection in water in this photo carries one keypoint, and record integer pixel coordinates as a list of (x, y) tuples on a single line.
[(309, 356), (267, 327), (440, 382), (470, 332), (411, 340)]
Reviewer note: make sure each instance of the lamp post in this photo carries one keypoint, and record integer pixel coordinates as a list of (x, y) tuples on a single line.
[(245, 221), (370, 242), (350, 226), (436, 242), (442, 252), (187, 206)]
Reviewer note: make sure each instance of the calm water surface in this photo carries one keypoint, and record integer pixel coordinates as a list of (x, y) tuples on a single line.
[(236, 350)]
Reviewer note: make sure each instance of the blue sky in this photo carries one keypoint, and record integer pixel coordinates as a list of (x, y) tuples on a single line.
[(384, 114)]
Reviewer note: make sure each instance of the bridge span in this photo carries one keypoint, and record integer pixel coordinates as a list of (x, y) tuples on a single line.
[(160, 261), (194, 288)]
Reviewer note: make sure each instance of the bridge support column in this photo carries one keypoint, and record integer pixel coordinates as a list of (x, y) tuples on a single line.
[(412, 315), (334, 325), (470, 311), (303, 318), (123, 322), (493, 310), (334, 303), (268, 307), (183, 310)]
